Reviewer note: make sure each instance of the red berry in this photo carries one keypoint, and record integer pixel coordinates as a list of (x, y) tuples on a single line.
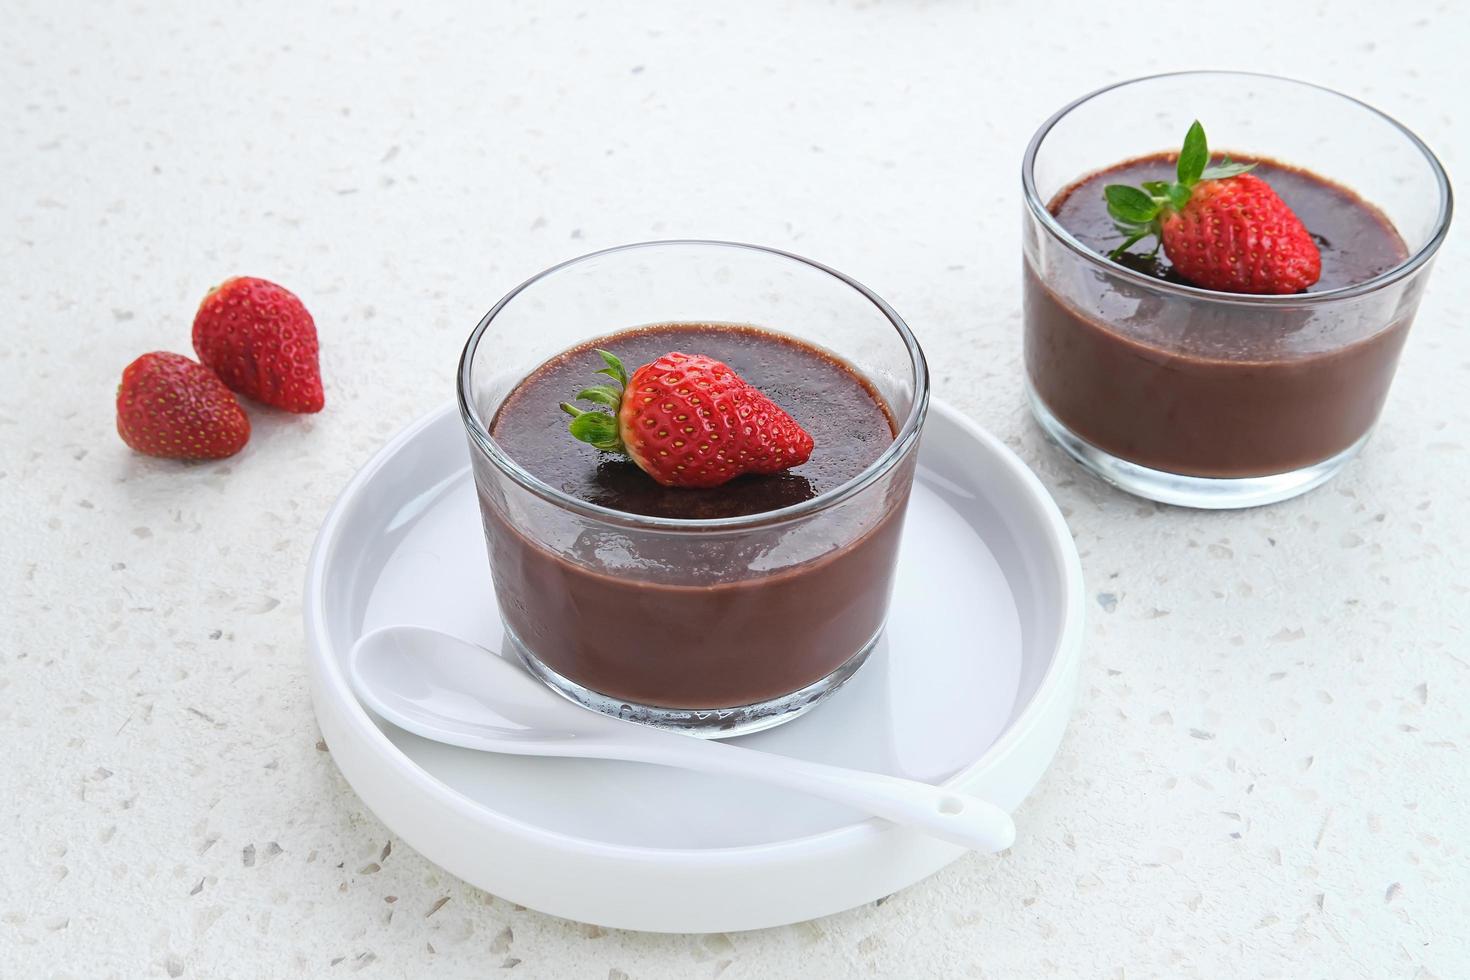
[(1222, 227), (260, 340), (1237, 236), (170, 406), (688, 420)]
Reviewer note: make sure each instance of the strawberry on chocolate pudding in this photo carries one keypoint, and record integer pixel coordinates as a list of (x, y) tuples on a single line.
[(689, 421), (1221, 226)]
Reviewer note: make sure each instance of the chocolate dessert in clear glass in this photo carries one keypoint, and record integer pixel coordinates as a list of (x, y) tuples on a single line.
[(1202, 397)]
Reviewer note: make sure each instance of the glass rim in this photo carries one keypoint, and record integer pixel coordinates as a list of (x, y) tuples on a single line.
[(1407, 267), (902, 444)]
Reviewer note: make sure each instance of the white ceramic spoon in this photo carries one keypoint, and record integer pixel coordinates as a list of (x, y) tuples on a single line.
[(453, 691)]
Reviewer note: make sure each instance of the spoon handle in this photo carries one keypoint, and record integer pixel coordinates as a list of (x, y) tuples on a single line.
[(958, 818)]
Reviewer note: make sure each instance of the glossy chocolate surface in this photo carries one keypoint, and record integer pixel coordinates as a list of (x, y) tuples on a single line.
[(846, 418)]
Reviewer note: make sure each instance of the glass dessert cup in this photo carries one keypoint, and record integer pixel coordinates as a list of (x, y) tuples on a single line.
[(1209, 399), (714, 627)]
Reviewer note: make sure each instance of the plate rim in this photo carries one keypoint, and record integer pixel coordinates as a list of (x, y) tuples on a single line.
[(328, 680)]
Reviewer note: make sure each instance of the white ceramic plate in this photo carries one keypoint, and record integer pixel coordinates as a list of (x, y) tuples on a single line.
[(971, 686)]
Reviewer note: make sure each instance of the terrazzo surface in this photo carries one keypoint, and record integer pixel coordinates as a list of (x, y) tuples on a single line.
[(1265, 776)]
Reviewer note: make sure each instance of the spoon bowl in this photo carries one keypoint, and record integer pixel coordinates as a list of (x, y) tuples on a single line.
[(459, 693)]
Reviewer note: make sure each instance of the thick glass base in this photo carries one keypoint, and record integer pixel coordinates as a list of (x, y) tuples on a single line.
[(1188, 491), (707, 722)]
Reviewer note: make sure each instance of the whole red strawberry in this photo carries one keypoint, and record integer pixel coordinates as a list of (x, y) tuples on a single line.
[(689, 421), (260, 340), (171, 406), (1221, 227)]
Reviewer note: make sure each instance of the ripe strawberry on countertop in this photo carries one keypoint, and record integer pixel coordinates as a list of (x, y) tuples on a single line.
[(260, 340), (173, 407), (1221, 227), (688, 421)]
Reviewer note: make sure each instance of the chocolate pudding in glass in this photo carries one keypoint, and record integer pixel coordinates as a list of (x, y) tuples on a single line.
[(720, 610), (1218, 399)]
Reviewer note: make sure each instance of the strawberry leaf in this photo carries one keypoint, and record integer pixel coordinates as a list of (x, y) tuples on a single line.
[(614, 367), (1226, 168), (1130, 205), (602, 394), (1194, 157), (1133, 238), (598, 429), (1178, 196)]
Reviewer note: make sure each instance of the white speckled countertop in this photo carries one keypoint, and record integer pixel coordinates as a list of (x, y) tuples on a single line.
[(1266, 775)]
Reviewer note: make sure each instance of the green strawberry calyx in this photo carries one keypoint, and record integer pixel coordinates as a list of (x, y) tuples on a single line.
[(599, 427), (1138, 212)]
